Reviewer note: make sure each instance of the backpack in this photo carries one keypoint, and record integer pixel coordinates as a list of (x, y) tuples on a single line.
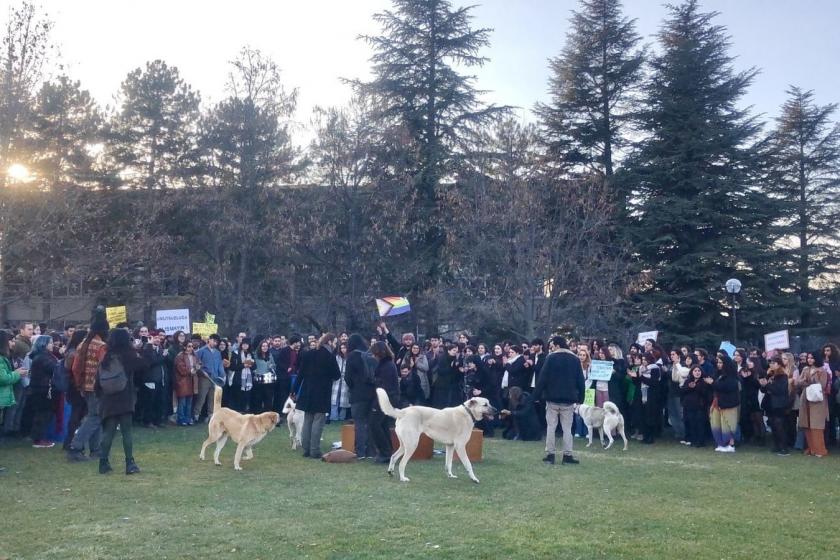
[(112, 378), (60, 377)]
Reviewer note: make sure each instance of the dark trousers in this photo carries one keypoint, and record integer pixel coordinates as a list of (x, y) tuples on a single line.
[(40, 407), (790, 427), (150, 404), (777, 428), (361, 426), (78, 409), (651, 419), (380, 432), (262, 398), (109, 430), (282, 388), (695, 426)]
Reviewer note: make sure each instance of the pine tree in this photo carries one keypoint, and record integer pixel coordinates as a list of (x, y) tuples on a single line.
[(592, 84), (66, 123), (424, 96), (699, 219), (151, 140), (805, 180)]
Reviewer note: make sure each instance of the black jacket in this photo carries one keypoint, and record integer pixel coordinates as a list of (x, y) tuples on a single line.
[(359, 378), (318, 370), (41, 372), (411, 391), (561, 379), (124, 401), (726, 390), (446, 388), (697, 397), (518, 374), (525, 419), (155, 362), (776, 398), (386, 377)]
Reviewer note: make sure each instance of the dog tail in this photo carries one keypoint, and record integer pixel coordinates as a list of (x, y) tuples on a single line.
[(385, 405), (611, 408), (217, 398)]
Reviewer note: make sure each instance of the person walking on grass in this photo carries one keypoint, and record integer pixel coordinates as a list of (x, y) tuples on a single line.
[(85, 367), (562, 386), (317, 373), (121, 369)]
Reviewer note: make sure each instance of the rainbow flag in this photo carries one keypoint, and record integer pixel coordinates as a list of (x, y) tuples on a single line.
[(392, 305)]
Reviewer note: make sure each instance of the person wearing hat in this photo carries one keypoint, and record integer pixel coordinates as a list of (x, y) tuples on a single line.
[(85, 367)]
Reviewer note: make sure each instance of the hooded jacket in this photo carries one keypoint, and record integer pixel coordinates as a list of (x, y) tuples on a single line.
[(561, 379)]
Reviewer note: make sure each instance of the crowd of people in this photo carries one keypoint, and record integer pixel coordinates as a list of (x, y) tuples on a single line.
[(116, 379)]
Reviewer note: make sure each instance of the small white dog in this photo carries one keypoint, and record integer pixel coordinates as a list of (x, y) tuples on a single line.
[(605, 420), (294, 419)]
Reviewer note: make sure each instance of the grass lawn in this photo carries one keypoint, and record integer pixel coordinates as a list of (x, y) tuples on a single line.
[(664, 501)]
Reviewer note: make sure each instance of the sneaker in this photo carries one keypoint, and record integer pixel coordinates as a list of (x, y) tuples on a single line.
[(569, 460), (549, 459), (783, 453), (682, 441), (105, 466), (729, 449), (131, 467), (43, 444), (75, 456), (720, 449)]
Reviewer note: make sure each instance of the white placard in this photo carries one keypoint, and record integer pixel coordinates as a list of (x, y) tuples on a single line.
[(779, 340), (173, 320), (643, 336), (601, 370)]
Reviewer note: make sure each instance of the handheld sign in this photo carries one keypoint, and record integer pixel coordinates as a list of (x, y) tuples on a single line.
[(779, 340), (728, 347), (204, 329), (392, 305), (173, 320), (209, 318), (601, 370), (116, 315), (643, 336)]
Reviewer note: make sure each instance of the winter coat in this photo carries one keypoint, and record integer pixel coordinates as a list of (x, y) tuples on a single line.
[(86, 363), (155, 371), (726, 393), (697, 397), (419, 367), (340, 396), (616, 384), (41, 372), (8, 378), (318, 371), (386, 377), (813, 414), (21, 347), (525, 419), (518, 374), (776, 395), (124, 401), (185, 375), (446, 389), (561, 379), (749, 393), (359, 378)]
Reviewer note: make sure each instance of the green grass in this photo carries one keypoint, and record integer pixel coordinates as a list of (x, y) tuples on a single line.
[(661, 501)]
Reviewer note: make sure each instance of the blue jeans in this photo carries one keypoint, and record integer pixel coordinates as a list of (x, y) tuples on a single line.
[(185, 410)]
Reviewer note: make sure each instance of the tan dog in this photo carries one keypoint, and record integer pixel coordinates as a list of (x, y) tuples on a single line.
[(294, 420), (606, 420), (246, 430), (451, 426)]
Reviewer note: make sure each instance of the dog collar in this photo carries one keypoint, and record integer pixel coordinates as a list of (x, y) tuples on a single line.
[(470, 413)]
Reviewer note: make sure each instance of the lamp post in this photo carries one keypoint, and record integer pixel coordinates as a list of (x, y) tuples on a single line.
[(733, 288)]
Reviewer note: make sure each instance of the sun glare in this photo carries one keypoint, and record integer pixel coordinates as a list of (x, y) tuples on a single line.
[(18, 172)]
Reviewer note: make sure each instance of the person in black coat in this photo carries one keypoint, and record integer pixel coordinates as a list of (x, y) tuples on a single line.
[(39, 402), (446, 387), (317, 373), (525, 425), (751, 418), (776, 403), (695, 397), (152, 392), (386, 378), (647, 382), (117, 409), (359, 376), (519, 375)]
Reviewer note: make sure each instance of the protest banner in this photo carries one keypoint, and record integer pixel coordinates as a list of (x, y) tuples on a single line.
[(643, 336), (205, 329), (173, 320), (116, 315), (728, 347), (209, 318), (601, 370), (779, 340)]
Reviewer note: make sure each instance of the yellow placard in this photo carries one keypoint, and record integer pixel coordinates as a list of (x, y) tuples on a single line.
[(116, 315), (205, 329), (209, 318)]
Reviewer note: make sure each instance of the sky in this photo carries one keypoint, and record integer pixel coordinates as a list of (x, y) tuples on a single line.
[(316, 43)]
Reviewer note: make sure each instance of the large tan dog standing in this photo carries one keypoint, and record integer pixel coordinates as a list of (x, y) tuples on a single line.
[(451, 426), (246, 430)]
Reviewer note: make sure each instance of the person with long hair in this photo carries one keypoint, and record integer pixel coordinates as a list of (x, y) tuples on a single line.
[(723, 413), (117, 407), (813, 410), (679, 373), (78, 408), (340, 396), (40, 389), (386, 377), (751, 416), (586, 365), (85, 368), (187, 369), (359, 377), (242, 381), (776, 403), (648, 382), (831, 364), (9, 377), (446, 387), (795, 439), (265, 376), (695, 406), (317, 373)]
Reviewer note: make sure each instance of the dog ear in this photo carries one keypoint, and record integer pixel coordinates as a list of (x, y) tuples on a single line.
[(473, 402)]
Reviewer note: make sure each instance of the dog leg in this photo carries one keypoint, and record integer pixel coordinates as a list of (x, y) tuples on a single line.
[(609, 437), (249, 453), (621, 432), (462, 455), (589, 429), (450, 449), (602, 436), (394, 457), (407, 451), (204, 445), (238, 457), (220, 443)]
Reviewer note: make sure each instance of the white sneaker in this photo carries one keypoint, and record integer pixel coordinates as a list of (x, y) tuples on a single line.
[(728, 449), (720, 449), (685, 442)]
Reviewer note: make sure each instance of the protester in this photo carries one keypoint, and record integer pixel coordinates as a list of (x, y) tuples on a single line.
[(340, 396), (318, 372), (695, 399), (385, 377), (121, 369), (525, 425), (212, 375), (562, 385), (9, 377), (723, 414), (776, 403), (265, 376), (75, 396), (359, 375), (187, 368), (40, 392), (814, 388), (447, 385), (85, 369)]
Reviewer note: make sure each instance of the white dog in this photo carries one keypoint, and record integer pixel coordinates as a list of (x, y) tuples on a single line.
[(294, 419), (605, 420), (451, 426)]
